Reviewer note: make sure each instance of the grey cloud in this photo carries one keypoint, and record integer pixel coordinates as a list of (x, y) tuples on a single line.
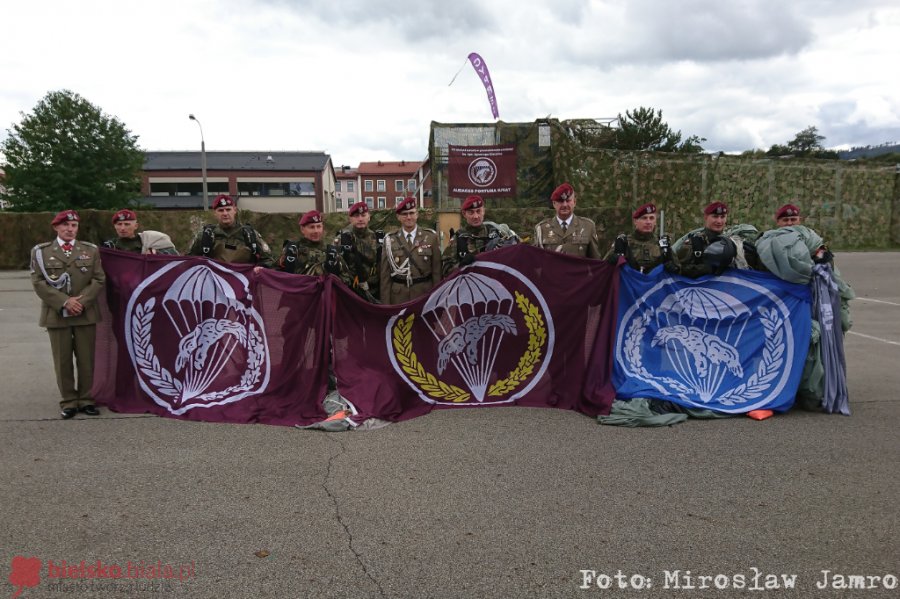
[(413, 21)]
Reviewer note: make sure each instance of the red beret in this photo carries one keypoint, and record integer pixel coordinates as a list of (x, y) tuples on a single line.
[(408, 203), (787, 210), (359, 208), (472, 202), (64, 216), (310, 218), (648, 208), (563, 192), (716, 208), (222, 200), (124, 214)]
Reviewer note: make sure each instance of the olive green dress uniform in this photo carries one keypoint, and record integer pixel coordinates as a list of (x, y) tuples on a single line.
[(70, 335), (478, 240), (422, 257), (689, 263), (644, 253), (579, 238), (363, 265), (230, 245)]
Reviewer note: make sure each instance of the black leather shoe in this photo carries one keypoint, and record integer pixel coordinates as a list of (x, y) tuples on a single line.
[(90, 410), (68, 413)]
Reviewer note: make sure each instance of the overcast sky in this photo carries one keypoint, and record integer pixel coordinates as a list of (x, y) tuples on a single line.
[(297, 74)]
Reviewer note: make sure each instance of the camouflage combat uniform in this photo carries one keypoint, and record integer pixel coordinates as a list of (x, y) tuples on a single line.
[(480, 239), (643, 252), (362, 262), (689, 261), (231, 245)]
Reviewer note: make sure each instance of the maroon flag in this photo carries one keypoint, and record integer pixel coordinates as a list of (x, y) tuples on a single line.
[(197, 339), (521, 326), (489, 171)]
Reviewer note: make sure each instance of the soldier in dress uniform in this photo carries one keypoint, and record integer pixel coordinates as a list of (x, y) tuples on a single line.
[(565, 232), (411, 263), (67, 276), (310, 255), (690, 258), (128, 239), (479, 235), (642, 249), (229, 240), (360, 248)]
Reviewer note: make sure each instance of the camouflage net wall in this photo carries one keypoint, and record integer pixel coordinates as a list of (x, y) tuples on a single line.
[(851, 205)]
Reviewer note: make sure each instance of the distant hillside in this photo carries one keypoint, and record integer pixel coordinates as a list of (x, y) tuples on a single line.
[(869, 151)]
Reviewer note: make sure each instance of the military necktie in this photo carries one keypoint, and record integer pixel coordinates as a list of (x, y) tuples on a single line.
[(565, 227), (409, 238)]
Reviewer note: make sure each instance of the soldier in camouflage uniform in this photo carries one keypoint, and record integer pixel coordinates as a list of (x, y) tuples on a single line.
[(480, 236), (230, 241), (642, 249), (565, 232), (411, 262), (360, 248), (310, 255), (128, 239), (66, 274), (689, 256)]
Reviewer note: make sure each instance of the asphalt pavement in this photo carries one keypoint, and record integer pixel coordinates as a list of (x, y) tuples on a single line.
[(500, 502)]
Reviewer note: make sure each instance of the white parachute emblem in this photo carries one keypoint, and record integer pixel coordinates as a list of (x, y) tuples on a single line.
[(700, 356), (212, 324), (469, 316)]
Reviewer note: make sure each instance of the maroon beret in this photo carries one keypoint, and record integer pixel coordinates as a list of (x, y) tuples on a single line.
[(124, 214), (408, 203), (648, 208), (223, 200), (64, 216), (563, 192), (787, 210), (310, 218), (716, 208), (359, 208), (472, 202)]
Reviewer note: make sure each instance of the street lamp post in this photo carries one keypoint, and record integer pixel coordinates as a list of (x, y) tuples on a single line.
[(202, 162)]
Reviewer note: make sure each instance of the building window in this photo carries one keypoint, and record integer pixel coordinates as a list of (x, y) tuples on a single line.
[(338, 203), (398, 185), (368, 184), (369, 202), (398, 199), (381, 185), (337, 185), (350, 185), (411, 185), (267, 189), (382, 201), (187, 189)]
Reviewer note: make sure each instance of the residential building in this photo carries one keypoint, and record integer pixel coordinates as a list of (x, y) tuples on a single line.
[(346, 188), (383, 184)]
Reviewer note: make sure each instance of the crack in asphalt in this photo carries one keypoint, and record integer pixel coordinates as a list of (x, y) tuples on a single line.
[(337, 513)]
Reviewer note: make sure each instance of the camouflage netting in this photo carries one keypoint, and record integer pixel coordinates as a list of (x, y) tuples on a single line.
[(22, 231), (851, 205)]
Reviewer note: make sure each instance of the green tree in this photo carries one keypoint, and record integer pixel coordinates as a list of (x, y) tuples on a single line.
[(643, 129), (806, 142), (68, 154)]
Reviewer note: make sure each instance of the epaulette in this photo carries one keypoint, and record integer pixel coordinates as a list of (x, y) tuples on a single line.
[(88, 243), (41, 245), (429, 230)]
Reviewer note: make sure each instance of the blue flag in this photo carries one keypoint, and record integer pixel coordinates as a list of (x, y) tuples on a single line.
[(734, 343)]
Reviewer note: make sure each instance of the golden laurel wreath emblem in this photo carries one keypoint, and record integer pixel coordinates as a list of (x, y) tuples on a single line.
[(437, 389)]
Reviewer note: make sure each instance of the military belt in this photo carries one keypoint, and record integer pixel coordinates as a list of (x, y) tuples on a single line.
[(413, 282)]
